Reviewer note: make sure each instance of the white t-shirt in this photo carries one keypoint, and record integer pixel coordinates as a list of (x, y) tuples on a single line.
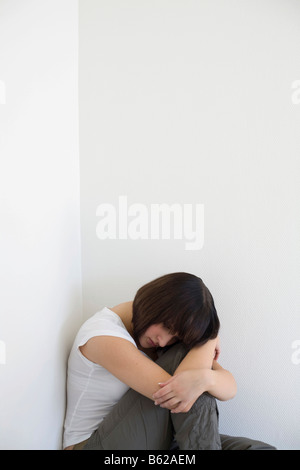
[(92, 391)]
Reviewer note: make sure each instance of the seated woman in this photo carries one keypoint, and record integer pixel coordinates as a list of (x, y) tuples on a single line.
[(119, 398)]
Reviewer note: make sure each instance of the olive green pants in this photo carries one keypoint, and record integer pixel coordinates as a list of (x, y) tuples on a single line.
[(135, 423)]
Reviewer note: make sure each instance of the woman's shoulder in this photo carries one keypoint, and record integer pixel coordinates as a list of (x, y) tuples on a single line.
[(103, 320), (124, 311), (122, 308)]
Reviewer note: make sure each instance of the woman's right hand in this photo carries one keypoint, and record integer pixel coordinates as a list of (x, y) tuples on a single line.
[(180, 392)]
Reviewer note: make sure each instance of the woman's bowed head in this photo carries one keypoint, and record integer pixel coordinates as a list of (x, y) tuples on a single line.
[(174, 307)]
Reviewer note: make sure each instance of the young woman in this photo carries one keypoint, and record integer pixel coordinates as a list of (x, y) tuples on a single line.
[(119, 398)]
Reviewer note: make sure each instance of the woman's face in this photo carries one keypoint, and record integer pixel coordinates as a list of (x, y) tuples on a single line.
[(157, 335)]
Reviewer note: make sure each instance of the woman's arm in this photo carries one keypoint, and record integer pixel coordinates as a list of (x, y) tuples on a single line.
[(192, 378), (222, 383), (219, 382), (200, 357), (126, 362), (196, 374), (181, 391)]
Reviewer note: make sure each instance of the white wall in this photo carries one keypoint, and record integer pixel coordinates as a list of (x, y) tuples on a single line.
[(40, 272), (191, 102)]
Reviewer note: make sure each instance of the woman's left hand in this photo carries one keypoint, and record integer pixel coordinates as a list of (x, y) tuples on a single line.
[(181, 391)]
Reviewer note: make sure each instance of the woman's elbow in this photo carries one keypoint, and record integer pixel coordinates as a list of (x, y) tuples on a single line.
[(231, 390)]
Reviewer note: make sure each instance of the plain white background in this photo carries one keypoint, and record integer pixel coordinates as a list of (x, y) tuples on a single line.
[(177, 102)]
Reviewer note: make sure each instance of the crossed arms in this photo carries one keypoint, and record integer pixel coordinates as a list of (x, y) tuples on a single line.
[(197, 373)]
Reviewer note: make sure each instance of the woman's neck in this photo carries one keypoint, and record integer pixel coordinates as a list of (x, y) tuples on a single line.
[(124, 310)]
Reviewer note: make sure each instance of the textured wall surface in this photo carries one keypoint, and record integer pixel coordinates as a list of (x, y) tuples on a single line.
[(197, 103)]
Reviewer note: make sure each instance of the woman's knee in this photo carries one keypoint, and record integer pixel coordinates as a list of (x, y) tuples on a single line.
[(171, 357)]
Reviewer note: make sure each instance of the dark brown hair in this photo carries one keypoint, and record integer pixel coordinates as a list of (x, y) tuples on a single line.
[(180, 301)]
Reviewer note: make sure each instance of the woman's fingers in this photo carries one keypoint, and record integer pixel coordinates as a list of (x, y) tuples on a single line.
[(164, 398), (171, 403), (176, 406), (165, 388)]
